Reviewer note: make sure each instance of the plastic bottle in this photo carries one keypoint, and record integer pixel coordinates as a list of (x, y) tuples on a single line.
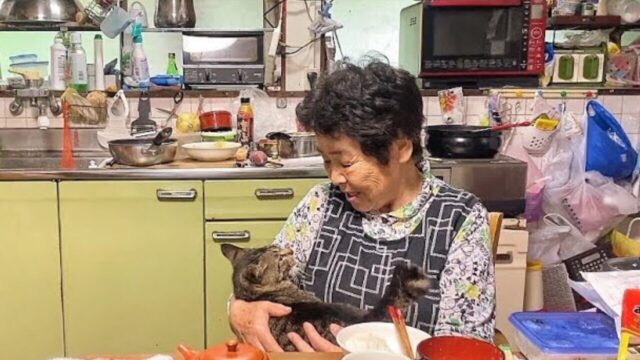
[(533, 291), (245, 122), (98, 61), (78, 64), (172, 67), (139, 61), (127, 52), (58, 65)]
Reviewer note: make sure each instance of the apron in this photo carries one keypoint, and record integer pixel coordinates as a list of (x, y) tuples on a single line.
[(347, 266)]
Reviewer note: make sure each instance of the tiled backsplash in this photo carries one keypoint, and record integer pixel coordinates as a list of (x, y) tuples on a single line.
[(626, 108)]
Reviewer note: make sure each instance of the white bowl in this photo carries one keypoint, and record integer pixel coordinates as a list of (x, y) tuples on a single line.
[(211, 151), (377, 337)]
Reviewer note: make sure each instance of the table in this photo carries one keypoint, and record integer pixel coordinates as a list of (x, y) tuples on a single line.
[(305, 356)]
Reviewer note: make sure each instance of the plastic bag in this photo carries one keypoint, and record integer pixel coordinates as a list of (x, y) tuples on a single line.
[(593, 202), (609, 150), (556, 239)]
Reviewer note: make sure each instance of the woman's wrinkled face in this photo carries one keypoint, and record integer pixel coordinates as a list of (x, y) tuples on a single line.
[(367, 184)]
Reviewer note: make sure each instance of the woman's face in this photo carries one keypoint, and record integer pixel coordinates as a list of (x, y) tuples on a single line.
[(367, 185)]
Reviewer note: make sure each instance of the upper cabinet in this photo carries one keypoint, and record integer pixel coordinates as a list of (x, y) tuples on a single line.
[(133, 266), (30, 297)]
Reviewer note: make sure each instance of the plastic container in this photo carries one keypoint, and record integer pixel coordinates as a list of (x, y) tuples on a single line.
[(533, 292), (23, 58), (565, 336)]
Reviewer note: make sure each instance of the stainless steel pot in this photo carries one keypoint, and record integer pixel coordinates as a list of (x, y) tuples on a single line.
[(175, 14), (296, 144), (37, 11), (144, 152)]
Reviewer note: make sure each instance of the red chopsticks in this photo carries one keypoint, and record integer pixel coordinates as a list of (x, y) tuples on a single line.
[(401, 330)]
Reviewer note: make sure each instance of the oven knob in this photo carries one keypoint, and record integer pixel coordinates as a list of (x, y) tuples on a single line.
[(240, 76), (207, 76)]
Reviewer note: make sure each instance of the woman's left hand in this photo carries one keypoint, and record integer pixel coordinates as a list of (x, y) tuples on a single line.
[(316, 341)]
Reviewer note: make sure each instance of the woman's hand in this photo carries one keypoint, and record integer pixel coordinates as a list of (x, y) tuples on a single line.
[(250, 321), (316, 341)]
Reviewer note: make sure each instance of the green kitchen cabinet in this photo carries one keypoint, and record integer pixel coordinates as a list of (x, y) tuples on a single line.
[(30, 297), (254, 199), (218, 268), (132, 266)]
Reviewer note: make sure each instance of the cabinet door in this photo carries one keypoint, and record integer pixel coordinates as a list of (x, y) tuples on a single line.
[(30, 297), (132, 265), (254, 199), (219, 288)]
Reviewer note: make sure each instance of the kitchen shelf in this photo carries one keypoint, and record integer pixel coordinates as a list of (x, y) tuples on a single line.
[(589, 23), (58, 27), (197, 30)]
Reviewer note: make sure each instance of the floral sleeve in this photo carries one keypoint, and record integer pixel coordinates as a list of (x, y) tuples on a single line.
[(467, 285), (302, 227)]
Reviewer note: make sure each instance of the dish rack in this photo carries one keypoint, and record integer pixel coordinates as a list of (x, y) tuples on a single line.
[(97, 10), (88, 115)]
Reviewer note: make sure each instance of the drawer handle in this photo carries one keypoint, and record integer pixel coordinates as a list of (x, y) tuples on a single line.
[(177, 195), (274, 194), (231, 235), (504, 258)]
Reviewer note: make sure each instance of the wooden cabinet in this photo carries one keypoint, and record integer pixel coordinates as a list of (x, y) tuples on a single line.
[(132, 265), (30, 297), (254, 199), (240, 233)]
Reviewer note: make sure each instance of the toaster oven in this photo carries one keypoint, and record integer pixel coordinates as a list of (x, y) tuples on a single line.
[(223, 59)]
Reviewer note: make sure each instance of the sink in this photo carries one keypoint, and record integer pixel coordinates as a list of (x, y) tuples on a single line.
[(46, 160)]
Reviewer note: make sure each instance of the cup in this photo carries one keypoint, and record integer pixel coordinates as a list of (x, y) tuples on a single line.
[(116, 21), (374, 356)]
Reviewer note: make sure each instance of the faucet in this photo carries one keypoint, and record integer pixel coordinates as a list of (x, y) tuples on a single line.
[(35, 95)]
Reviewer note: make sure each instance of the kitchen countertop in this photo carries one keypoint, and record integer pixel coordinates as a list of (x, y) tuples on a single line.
[(163, 173)]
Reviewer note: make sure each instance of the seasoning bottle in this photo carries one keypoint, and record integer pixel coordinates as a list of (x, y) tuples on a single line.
[(172, 67), (245, 122)]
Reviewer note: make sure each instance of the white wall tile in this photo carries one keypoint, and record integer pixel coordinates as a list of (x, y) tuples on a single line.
[(16, 122), (613, 103), (634, 139), (425, 106), (433, 107), (434, 120), (631, 124), (476, 105), (631, 104), (473, 120), (576, 106)]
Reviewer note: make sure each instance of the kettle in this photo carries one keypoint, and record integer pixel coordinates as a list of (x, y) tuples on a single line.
[(231, 349), (175, 14)]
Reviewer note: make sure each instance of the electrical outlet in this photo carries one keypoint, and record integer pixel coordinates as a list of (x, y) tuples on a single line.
[(281, 103)]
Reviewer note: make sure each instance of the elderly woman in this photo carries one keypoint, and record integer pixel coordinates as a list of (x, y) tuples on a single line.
[(379, 210)]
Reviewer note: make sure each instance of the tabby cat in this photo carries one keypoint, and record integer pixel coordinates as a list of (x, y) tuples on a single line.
[(265, 274)]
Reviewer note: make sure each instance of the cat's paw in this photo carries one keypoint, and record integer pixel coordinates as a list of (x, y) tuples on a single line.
[(413, 279)]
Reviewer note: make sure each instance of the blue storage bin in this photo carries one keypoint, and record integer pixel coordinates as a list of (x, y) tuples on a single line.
[(565, 336)]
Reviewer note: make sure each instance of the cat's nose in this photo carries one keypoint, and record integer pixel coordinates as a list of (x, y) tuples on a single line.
[(286, 252)]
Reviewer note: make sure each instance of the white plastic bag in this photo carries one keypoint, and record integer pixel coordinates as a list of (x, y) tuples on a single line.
[(555, 239)]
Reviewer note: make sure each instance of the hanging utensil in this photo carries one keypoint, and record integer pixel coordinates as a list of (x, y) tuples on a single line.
[(504, 127), (177, 101), (143, 125)]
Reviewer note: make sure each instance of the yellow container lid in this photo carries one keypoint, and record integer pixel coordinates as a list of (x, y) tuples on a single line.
[(534, 265)]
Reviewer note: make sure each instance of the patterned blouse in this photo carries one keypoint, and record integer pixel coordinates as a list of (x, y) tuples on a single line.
[(467, 283)]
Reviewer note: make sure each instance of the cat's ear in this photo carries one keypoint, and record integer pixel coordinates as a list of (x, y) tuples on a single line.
[(232, 252)]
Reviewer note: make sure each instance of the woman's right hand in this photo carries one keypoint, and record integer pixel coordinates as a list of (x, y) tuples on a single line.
[(250, 321)]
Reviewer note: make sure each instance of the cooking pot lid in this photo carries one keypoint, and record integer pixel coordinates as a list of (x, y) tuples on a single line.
[(232, 349)]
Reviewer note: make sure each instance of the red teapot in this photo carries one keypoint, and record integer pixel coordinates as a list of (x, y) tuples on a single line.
[(231, 349)]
